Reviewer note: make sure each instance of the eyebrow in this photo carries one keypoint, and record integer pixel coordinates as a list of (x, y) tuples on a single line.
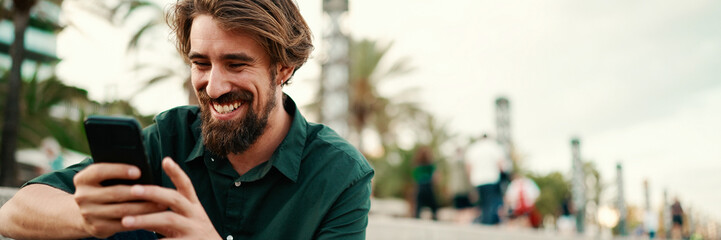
[(194, 55), (239, 57), (231, 56)]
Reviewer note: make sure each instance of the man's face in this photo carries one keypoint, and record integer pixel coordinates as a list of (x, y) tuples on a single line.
[(235, 84)]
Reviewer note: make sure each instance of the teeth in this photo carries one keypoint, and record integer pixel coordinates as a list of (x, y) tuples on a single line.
[(225, 108)]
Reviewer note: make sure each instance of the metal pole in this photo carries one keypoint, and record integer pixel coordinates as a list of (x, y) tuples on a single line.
[(578, 186), (621, 204), (503, 127), (335, 70)]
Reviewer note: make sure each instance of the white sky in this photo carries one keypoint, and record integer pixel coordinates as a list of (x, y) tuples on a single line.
[(637, 81)]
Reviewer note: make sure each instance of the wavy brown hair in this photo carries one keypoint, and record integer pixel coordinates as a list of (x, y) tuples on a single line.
[(276, 24), (423, 156)]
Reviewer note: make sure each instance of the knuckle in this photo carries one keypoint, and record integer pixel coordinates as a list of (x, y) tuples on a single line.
[(77, 179), (175, 201), (80, 197), (98, 231), (94, 230), (171, 220), (123, 211), (115, 195), (85, 213)]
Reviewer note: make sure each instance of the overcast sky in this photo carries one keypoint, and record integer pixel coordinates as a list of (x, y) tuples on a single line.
[(638, 82)]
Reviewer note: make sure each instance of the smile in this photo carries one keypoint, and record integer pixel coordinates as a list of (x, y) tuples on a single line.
[(226, 108)]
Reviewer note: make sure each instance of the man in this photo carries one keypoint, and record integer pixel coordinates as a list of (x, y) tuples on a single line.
[(244, 165), (484, 163)]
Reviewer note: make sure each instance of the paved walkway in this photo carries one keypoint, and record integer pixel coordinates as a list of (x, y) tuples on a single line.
[(384, 228), (385, 223)]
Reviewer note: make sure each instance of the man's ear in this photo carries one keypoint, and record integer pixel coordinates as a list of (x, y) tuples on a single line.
[(284, 73)]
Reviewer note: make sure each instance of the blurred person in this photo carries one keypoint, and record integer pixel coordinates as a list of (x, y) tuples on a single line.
[(463, 193), (485, 162), (520, 199), (424, 174), (566, 223), (244, 164), (676, 219), (650, 223), (53, 152)]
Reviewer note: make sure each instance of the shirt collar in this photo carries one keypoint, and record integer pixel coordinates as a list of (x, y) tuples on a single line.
[(287, 157), (199, 148)]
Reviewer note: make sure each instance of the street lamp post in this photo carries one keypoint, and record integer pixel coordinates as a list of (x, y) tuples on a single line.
[(578, 187), (621, 204), (335, 70)]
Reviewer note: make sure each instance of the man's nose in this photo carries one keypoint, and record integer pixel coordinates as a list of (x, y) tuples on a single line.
[(218, 83)]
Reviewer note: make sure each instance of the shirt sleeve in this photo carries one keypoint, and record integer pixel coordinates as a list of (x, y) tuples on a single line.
[(348, 217), (61, 179)]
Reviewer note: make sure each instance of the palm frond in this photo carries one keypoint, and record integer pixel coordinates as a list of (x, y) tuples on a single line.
[(135, 39), (165, 75)]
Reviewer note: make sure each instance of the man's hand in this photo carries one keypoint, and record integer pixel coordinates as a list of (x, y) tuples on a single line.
[(102, 207), (187, 218)]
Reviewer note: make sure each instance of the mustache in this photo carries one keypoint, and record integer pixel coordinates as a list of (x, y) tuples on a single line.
[(241, 95)]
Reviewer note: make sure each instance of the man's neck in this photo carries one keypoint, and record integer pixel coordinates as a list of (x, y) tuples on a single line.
[(279, 123)]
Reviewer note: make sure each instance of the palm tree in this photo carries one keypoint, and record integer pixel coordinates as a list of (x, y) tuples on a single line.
[(49, 108), (368, 109), (121, 13), (21, 18), (40, 97)]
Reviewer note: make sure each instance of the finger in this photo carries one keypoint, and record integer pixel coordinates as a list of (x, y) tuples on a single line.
[(117, 211), (163, 196), (110, 194), (166, 223), (98, 172), (180, 179)]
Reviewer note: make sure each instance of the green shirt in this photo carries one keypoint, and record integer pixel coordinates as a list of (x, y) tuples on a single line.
[(315, 186), (424, 173)]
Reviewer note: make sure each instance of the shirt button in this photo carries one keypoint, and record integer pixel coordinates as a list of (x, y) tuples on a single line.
[(237, 184), (230, 237), (212, 159)]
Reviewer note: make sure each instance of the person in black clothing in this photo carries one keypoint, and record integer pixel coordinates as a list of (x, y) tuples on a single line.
[(676, 219)]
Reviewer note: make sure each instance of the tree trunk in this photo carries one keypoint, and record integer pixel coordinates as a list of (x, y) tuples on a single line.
[(8, 169)]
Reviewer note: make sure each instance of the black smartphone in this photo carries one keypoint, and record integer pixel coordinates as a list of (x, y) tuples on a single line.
[(118, 140)]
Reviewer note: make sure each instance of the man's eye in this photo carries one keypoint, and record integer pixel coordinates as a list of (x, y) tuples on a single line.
[(203, 64), (237, 65)]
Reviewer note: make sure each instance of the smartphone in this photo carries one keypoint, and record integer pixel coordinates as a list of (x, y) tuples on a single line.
[(118, 140)]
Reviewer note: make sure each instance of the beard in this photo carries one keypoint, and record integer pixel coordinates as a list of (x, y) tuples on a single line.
[(235, 135)]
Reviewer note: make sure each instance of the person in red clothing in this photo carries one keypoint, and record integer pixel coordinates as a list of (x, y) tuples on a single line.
[(521, 198)]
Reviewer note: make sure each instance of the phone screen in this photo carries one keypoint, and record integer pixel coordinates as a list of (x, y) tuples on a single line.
[(118, 140)]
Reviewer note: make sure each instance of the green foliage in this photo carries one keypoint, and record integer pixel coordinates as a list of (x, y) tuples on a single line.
[(394, 173), (152, 16), (49, 108), (593, 182), (554, 189)]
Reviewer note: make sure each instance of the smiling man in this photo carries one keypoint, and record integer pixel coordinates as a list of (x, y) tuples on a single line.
[(245, 164)]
